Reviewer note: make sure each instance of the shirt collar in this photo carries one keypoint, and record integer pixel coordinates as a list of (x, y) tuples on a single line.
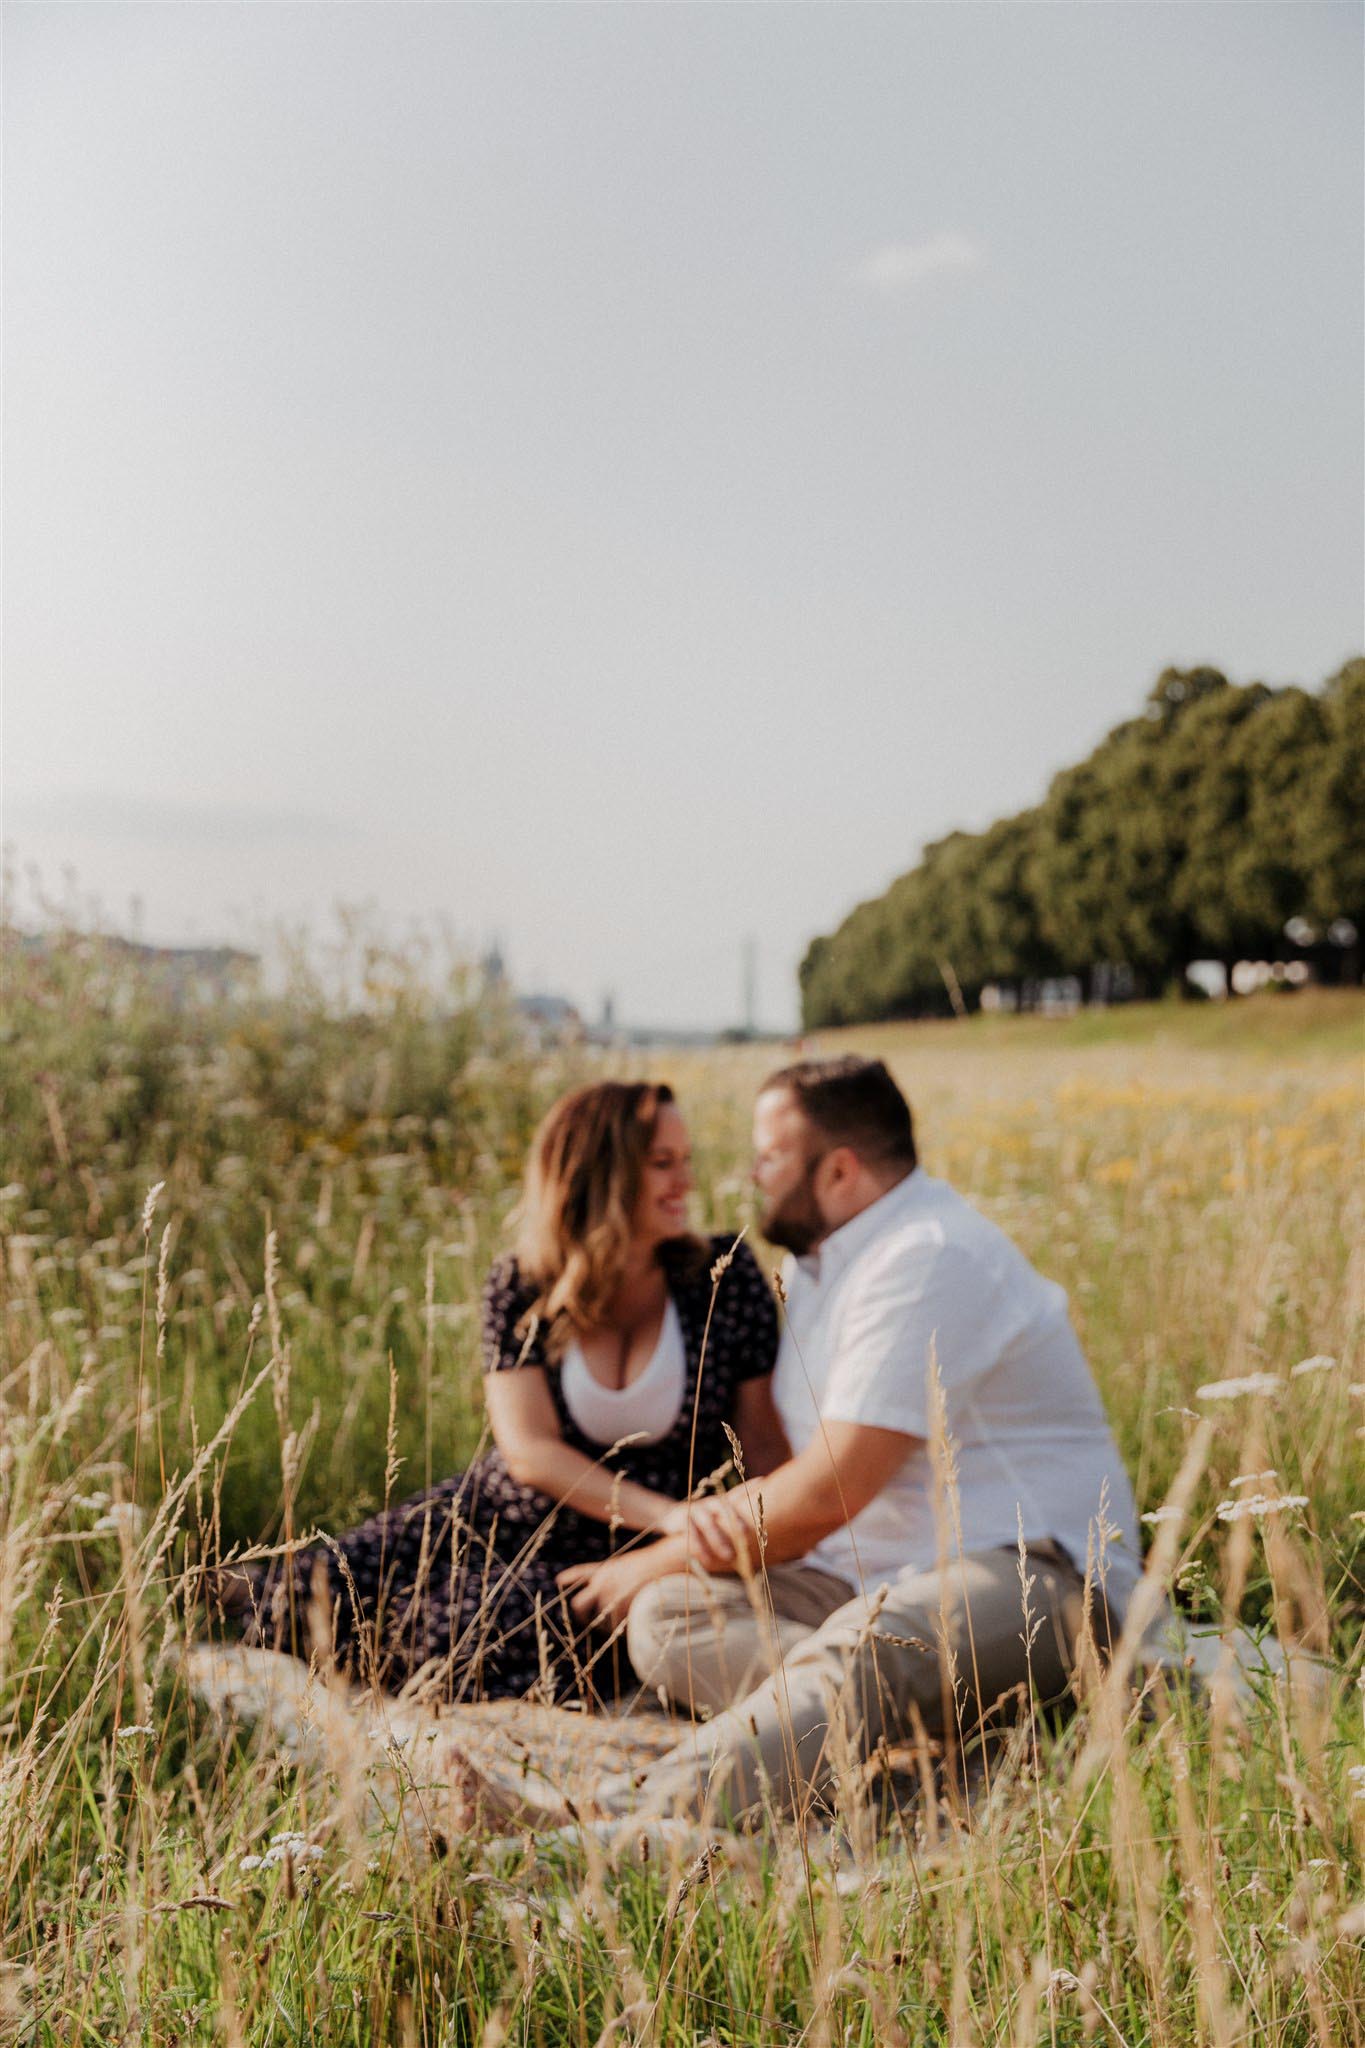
[(843, 1245)]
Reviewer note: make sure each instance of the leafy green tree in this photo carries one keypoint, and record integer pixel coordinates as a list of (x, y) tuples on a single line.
[(1111, 839), (1332, 823), (1198, 829)]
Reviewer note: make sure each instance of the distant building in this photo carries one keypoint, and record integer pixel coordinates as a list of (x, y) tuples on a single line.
[(188, 975), (550, 1020)]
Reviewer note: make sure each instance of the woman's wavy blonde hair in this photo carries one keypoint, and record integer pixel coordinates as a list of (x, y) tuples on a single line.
[(574, 1221)]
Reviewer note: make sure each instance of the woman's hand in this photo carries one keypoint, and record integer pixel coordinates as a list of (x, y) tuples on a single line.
[(603, 1592)]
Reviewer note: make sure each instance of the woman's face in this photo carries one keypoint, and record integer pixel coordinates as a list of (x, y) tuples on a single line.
[(666, 1181)]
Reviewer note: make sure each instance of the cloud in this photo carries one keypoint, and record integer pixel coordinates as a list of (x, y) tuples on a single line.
[(897, 267), (107, 815)]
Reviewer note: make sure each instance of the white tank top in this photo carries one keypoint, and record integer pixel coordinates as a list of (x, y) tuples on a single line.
[(646, 1409)]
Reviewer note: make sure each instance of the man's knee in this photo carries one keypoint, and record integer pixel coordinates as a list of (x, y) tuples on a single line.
[(697, 1639), (884, 1672)]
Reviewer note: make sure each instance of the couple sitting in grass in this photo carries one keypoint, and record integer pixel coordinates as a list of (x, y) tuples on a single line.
[(883, 1516)]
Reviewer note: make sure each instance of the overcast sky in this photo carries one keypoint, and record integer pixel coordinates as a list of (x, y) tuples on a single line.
[(621, 478)]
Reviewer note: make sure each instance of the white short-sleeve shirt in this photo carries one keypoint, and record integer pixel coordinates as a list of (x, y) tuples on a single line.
[(921, 1281)]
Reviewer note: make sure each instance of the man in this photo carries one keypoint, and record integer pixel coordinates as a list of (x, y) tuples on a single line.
[(954, 1507)]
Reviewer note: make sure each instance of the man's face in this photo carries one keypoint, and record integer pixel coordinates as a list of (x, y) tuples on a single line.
[(787, 1152)]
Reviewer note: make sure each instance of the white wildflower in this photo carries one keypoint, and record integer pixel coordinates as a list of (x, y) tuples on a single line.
[(1254, 1478), (297, 1848), (1259, 1504), (123, 1514), (134, 1732), (1319, 1362), (1159, 1515), (1355, 1778), (1231, 1390)]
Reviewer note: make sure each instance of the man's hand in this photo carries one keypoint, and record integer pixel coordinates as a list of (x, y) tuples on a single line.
[(714, 1528), (603, 1592), (676, 1520), (842, 1468)]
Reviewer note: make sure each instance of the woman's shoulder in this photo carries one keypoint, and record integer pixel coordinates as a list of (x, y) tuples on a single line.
[(743, 1308), (507, 1295), (734, 1255), (722, 1261), (506, 1281)]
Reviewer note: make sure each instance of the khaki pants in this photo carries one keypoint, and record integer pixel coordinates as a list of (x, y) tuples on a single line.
[(802, 1677)]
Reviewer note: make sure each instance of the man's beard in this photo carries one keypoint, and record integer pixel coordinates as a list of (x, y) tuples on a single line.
[(795, 1222)]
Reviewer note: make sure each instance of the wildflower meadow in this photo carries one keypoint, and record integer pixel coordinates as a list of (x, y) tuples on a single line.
[(241, 1250)]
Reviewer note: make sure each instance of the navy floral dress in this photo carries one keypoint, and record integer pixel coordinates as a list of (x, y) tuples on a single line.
[(459, 1583)]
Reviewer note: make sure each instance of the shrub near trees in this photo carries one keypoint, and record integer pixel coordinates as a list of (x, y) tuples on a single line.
[(1196, 831)]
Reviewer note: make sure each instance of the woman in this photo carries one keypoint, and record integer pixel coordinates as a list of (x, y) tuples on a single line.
[(617, 1348)]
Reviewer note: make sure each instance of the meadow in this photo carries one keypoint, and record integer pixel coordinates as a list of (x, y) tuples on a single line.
[(241, 1252)]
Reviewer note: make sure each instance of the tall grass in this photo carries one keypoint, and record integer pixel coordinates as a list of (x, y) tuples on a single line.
[(179, 1372)]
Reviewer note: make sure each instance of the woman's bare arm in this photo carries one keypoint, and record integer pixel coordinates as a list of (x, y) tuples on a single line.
[(759, 1428), (525, 1424)]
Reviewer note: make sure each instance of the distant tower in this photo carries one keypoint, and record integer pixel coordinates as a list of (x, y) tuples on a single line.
[(608, 1011), (750, 985), (494, 968)]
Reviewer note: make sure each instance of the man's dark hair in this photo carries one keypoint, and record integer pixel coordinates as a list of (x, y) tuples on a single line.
[(853, 1102)]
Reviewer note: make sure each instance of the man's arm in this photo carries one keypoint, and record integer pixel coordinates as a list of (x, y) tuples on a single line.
[(805, 1499), (775, 1519)]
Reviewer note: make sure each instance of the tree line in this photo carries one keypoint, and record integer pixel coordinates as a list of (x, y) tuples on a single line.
[(1200, 830)]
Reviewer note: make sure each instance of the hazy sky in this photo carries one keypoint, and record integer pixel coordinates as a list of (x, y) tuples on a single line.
[(621, 478)]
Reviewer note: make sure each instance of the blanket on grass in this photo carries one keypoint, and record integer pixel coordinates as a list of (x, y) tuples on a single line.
[(389, 1757), (392, 1754)]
